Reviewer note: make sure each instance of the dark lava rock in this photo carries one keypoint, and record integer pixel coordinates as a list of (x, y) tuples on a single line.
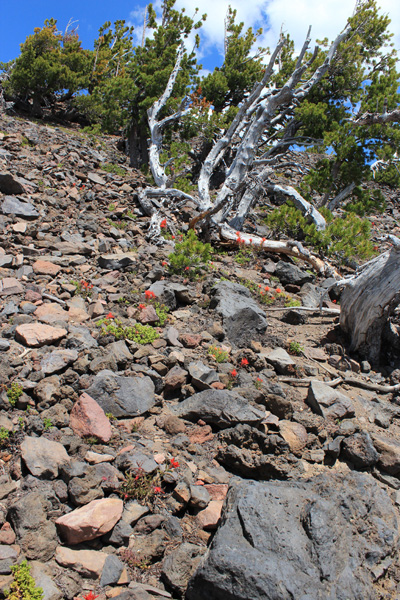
[(122, 396), (221, 408), (243, 319), (290, 274), (13, 206), (359, 449), (306, 540)]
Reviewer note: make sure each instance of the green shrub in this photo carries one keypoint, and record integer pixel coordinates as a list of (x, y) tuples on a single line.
[(14, 393), (219, 355), (189, 254), (23, 587), (141, 334), (4, 437), (112, 168)]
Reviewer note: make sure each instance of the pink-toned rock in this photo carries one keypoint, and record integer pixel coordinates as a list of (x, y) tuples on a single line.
[(10, 286), (50, 313), (176, 378), (7, 535), (218, 385), (88, 563), (294, 434), (200, 434), (37, 334), (210, 516), (90, 521), (32, 296), (19, 227), (88, 419), (190, 340), (217, 491), (45, 267)]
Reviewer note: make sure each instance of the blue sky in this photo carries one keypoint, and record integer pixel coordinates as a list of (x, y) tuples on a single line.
[(327, 17)]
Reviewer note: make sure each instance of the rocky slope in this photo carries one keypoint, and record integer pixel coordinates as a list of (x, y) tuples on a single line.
[(191, 460)]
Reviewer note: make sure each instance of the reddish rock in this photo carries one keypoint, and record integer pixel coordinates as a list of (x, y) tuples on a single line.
[(45, 267), (175, 378), (174, 425), (210, 516), (200, 434), (218, 385), (77, 315), (190, 340), (88, 419), (37, 334), (50, 313), (90, 521), (217, 491)]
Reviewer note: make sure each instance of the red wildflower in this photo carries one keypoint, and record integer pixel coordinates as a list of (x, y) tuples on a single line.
[(163, 224), (90, 596), (238, 233), (142, 306), (157, 490), (174, 463), (266, 288), (173, 237), (262, 241), (278, 290), (259, 379), (164, 263), (251, 240), (110, 316), (334, 301), (234, 373), (149, 294), (244, 362), (375, 248), (186, 268)]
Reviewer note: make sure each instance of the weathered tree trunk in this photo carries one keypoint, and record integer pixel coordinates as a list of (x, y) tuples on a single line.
[(368, 300)]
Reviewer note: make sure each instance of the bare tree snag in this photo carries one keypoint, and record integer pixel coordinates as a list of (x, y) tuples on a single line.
[(368, 301)]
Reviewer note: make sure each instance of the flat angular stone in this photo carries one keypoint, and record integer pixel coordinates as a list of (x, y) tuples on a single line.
[(294, 434), (9, 184), (202, 375), (43, 457), (10, 286), (45, 267), (94, 178), (221, 408), (117, 261), (280, 360), (57, 360), (88, 563), (51, 313), (13, 206), (90, 521), (37, 334), (88, 419)]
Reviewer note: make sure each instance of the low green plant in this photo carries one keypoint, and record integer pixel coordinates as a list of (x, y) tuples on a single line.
[(344, 237), (83, 288), (113, 168), (4, 437), (24, 586), (295, 348), (14, 393), (92, 440), (141, 334), (47, 423), (110, 416), (112, 207), (162, 313), (140, 486), (244, 255), (189, 254), (219, 355), (292, 302)]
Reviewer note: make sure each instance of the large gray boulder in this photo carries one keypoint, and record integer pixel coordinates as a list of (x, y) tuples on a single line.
[(243, 319), (122, 396), (13, 206), (220, 408), (321, 539)]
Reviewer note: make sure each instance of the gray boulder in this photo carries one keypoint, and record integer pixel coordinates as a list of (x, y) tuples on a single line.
[(13, 206), (290, 274), (243, 319), (122, 396), (320, 539), (328, 402), (221, 408)]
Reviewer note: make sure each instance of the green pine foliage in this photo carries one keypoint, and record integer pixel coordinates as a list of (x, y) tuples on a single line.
[(189, 255), (344, 237)]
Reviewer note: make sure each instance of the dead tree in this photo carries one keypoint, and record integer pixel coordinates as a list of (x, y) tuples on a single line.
[(254, 148), (368, 301)]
